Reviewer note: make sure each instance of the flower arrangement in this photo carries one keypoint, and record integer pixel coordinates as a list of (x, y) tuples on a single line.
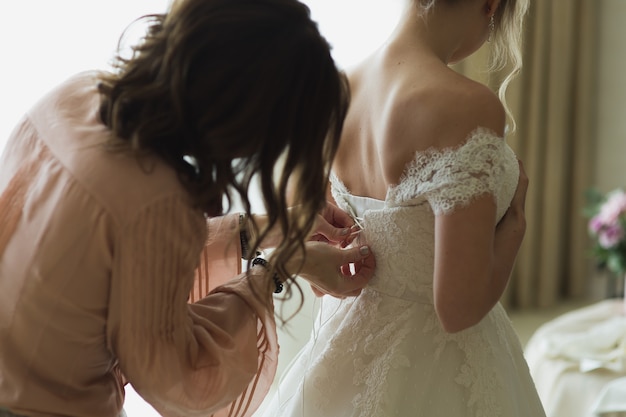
[(607, 228)]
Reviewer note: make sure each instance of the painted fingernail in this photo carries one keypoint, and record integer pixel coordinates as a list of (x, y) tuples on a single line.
[(364, 250)]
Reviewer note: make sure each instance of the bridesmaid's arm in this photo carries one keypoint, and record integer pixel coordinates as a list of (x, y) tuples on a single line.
[(473, 262), (184, 358)]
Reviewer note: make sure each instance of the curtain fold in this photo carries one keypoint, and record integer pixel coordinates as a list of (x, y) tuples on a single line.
[(553, 102)]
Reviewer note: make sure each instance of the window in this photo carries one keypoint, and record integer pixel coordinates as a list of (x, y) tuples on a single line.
[(43, 42)]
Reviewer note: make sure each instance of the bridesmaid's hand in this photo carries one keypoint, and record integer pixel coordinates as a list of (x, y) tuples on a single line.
[(327, 269), (334, 225)]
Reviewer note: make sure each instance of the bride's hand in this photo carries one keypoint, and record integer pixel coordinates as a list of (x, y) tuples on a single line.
[(513, 223), (327, 269)]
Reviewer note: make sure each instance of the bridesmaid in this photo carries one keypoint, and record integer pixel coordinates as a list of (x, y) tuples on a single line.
[(114, 192)]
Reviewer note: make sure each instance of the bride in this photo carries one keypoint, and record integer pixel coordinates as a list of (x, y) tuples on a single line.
[(424, 168)]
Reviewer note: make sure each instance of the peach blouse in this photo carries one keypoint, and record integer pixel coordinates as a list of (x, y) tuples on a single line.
[(98, 254)]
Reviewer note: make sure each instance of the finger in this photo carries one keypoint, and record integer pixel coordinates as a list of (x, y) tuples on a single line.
[(318, 237), (523, 178), (330, 232), (363, 275), (352, 285), (338, 217), (354, 233), (368, 265), (519, 198), (354, 255)]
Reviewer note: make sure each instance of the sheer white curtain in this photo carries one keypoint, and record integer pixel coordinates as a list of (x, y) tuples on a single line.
[(42, 42)]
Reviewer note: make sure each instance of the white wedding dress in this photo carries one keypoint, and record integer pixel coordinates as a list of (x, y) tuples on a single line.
[(384, 353)]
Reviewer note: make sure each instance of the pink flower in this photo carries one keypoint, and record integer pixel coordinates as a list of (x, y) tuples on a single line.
[(610, 236), (614, 206), (595, 225), (607, 227)]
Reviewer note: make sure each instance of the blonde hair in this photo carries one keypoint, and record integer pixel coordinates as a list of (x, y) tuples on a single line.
[(506, 44)]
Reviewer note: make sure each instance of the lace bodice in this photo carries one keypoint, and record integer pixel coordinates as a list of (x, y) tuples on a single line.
[(400, 229)]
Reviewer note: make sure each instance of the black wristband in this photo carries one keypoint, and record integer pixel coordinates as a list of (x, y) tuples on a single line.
[(277, 282)]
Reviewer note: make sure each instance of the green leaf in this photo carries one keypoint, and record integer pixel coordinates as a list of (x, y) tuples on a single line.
[(615, 263)]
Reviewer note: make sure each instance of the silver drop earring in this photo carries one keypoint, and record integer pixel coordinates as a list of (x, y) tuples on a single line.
[(492, 27)]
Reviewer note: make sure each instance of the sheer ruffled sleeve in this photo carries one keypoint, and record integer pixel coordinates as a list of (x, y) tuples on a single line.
[(216, 356), (221, 257), (452, 177)]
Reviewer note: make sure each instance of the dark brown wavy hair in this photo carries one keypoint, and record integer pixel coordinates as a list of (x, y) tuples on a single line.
[(231, 91)]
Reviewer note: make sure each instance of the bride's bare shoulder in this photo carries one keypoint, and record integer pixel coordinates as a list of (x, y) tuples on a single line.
[(443, 112), (440, 112)]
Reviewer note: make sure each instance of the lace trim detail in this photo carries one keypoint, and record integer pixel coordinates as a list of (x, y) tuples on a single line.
[(453, 177)]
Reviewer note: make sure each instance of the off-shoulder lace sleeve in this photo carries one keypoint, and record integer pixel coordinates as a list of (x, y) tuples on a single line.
[(452, 177)]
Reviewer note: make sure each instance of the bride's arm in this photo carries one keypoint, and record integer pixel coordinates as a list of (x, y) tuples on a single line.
[(473, 262)]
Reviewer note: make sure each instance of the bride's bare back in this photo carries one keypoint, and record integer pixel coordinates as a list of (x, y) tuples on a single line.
[(406, 100)]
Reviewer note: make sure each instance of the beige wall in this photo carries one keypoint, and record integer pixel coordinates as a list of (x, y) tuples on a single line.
[(610, 167)]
